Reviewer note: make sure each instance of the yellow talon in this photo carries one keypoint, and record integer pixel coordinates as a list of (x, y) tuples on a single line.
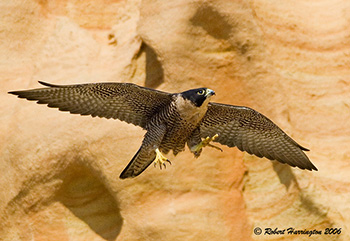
[(206, 142), (160, 159)]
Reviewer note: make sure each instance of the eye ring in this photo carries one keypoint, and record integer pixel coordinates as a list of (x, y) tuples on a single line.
[(201, 92)]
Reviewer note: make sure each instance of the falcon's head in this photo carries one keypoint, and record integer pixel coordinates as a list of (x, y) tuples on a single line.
[(198, 96)]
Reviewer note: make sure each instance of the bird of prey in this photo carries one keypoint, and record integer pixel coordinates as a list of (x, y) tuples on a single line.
[(172, 120)]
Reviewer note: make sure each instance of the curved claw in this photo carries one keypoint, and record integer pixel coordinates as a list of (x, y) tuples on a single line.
[(160, 159), (216, 147), (206, 142)]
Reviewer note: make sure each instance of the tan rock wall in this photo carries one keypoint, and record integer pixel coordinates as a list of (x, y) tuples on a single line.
[(60, 172)]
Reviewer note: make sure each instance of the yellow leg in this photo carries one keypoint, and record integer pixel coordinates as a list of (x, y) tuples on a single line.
[(160, 159), (206, 142)]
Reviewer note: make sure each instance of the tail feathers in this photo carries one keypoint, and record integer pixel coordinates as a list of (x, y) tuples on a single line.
[(142, 159)]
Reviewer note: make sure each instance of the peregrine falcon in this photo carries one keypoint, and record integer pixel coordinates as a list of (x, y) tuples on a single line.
[(172, 120)]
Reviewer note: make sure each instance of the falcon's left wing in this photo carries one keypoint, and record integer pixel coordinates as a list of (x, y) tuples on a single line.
[(254, 133)]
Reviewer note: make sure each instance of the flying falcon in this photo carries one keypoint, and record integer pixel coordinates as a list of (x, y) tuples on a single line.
[(173, 120)]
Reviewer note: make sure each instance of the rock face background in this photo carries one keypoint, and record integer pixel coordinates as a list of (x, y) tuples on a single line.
[(59, 172)]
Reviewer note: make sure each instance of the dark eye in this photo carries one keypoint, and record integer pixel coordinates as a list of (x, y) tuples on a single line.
[(201, 92)]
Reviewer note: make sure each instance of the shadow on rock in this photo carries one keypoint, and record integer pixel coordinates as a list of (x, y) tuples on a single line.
[(89, 200)]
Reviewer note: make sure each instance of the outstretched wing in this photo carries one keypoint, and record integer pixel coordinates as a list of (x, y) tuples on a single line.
[(254, 133), (124, 101)]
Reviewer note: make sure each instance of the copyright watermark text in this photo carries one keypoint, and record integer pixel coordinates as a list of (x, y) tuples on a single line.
[(294, 231)]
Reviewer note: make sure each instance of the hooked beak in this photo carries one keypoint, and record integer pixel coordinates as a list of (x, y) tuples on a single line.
[(209, 92)]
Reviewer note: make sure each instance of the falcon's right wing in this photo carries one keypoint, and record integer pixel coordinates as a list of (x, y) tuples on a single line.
[(124, 101)]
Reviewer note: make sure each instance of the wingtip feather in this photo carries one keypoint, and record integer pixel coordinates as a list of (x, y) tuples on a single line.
[(13, 92), (313, 168), (303, 148), (19, 92), (47, 84)]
